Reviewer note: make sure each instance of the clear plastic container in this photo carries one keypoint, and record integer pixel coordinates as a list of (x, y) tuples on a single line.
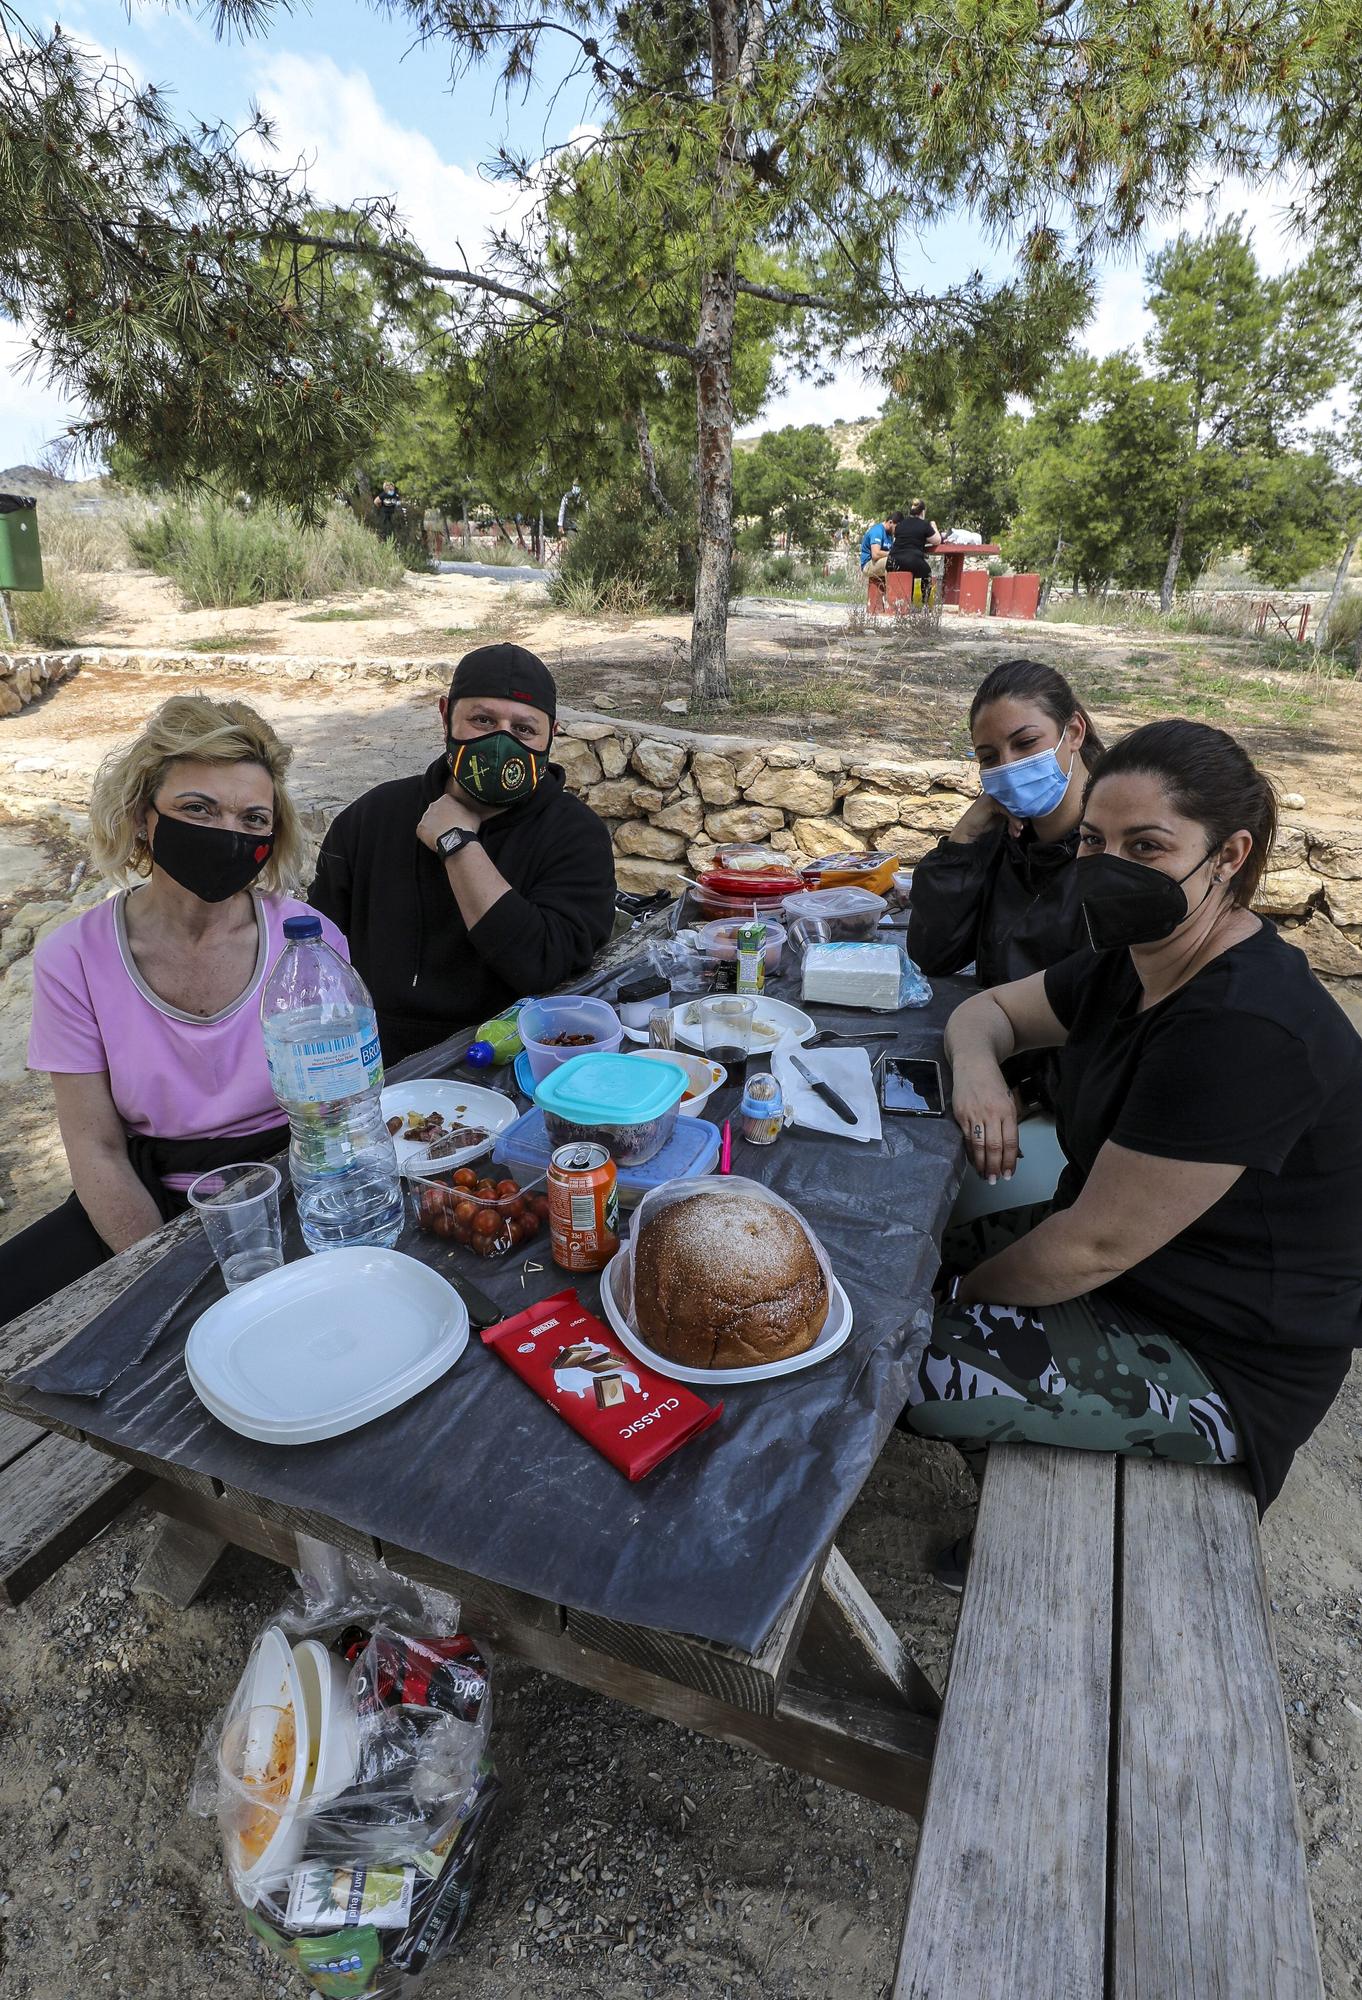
[(523, 1149), (703, 1077), (849, 914), (326, 1068), (490, 1225), (873, 870), (627, 1106), (720, 939), (541, 1021)]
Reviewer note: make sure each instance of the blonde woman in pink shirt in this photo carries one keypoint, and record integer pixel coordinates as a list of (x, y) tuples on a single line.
[(146, 1009)]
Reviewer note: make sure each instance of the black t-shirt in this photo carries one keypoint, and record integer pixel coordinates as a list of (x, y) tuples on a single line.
[(1250, 1064), (909, 547)]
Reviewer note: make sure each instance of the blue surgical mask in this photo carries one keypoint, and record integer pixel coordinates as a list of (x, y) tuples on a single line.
[(1029, 787)]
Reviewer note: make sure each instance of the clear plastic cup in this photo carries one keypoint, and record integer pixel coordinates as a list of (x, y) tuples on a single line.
[(726, 1023), (239, 1209)]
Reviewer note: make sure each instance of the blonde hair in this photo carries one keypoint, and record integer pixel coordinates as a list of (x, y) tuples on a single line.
[(214, 732)]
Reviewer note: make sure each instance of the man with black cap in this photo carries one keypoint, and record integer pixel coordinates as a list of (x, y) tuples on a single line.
[(479, 882)]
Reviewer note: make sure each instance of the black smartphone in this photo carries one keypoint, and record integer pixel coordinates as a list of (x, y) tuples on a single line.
[(911, 1086)]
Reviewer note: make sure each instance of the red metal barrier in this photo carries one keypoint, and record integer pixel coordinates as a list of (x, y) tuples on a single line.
[(974, 592), (1004, 590)]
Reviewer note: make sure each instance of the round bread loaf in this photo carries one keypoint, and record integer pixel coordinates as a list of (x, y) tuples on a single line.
[(723, 1279)]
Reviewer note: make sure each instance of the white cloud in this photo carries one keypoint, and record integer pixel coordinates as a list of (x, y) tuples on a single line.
[(331, 119)]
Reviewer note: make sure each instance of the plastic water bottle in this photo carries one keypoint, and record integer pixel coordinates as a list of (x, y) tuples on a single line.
[(321, 1043), (497, 1041)]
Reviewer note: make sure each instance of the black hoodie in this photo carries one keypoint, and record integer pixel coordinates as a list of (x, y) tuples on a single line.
[(429, 974)]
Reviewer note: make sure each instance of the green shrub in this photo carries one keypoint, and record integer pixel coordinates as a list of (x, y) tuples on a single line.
[(89, 534), (1345, 626), (60, 614), (222, 556)]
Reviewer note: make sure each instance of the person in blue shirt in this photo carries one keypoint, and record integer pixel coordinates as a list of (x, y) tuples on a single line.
[(875, 544)]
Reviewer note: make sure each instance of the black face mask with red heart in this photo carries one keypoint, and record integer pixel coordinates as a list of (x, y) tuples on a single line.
[(212, 862)]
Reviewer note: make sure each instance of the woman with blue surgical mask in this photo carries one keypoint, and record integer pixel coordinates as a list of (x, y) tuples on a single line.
[(997, 892)]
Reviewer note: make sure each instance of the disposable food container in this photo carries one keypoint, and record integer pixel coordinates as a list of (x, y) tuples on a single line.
[(627, 1106), (491, 1223), (720, 939), (849, 914), (703, 1077), (566, 1014), (873, 871)]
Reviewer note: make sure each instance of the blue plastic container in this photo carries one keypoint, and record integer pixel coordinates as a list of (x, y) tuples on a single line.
[(524, 1149), (630, 1107)]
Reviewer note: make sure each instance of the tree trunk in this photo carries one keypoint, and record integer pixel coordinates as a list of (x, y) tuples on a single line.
[(1170, 574), (1340, 578), (714, 431), (648, 460)]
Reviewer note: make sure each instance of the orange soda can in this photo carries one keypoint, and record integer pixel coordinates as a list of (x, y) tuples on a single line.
[(584, 1209)]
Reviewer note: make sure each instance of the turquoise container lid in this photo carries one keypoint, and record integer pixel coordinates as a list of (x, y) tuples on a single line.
[(611, 1090)]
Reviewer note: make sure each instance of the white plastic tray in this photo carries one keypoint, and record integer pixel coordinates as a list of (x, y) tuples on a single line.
[(459, 1104), (836, 1330), (322, 1346), (793, 1024)]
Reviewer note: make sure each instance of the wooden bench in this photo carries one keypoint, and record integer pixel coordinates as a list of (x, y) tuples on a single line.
[(56, 1494), (1111, 1813)]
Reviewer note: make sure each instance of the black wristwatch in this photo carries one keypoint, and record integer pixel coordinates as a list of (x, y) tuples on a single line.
[(454, 841)]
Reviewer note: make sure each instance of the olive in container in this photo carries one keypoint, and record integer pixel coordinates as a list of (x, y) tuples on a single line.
[(627, 1106), (489, 1217)]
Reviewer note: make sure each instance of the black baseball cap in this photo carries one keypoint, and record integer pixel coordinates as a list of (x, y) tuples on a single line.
[(507, 673)]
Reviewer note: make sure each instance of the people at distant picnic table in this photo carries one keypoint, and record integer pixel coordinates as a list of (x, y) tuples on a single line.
[(146, 1008), (1000, 890), (914, 536), (1194, 1291), (482, 879)]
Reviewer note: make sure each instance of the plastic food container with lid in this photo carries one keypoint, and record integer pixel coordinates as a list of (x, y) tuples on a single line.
[(638, 999), (629, 1107), (524, 1149), (849, 914), (873, 870), (542, 1021), (490, 1225), (719, 939)]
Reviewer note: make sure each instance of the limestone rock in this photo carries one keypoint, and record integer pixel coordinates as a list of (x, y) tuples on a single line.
[(953, 774), (614, 799), (830, 762), (746, 768), (1293, 801), (659, 764), (23, 681), (937, 813), (636, 836), (579, 761), (645, 876), (1328, 951), (700, 855), (10, 702), (799, 790), (743, 823), (784, 842), (1287, 892), (715, 777), (15, 940), (1343, 901), (585, 732), (816, 836), (867, 811), (648, 800), (786, 757), (889, 776), (685, 816), (1291, 848), (32, 916), (1337, 854), (613, 752)]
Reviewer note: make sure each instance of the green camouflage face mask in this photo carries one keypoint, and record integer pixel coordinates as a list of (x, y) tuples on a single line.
[(496, 770)]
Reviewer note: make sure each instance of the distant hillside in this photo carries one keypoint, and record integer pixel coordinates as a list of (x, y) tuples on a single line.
[(847, 438), (30, 479)]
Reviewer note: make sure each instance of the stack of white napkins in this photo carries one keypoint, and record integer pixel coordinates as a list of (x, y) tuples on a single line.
[(848, 1071)]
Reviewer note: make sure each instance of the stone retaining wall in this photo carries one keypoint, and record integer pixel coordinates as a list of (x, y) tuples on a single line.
[(670, 797), (24, 676)]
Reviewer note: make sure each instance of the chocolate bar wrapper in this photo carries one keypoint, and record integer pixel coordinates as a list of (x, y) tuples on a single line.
[(632, 1415)]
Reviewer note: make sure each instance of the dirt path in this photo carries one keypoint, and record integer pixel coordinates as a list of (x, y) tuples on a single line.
[(604, 1883)]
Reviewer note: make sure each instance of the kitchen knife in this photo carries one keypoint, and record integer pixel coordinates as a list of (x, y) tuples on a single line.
[(829, 1096)]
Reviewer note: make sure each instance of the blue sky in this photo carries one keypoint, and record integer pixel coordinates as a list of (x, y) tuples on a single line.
[(373, 114)]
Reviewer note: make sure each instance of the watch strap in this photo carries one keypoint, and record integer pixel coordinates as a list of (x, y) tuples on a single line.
[(454, 841)]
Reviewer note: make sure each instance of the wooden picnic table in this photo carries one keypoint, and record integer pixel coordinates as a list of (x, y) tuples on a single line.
[(827, 1687)]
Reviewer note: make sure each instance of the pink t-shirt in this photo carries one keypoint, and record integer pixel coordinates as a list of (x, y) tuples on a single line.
[(172, 1075)]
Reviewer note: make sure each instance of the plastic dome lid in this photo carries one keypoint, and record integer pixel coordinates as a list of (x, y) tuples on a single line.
[(607, 1089), (830, 904)]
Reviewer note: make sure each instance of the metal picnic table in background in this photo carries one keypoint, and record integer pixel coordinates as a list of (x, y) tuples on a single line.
[(710, 1592)]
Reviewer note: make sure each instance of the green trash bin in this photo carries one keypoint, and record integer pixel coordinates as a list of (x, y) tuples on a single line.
[(21, 562)]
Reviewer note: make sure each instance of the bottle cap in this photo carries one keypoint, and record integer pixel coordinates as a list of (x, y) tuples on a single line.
[(480, 1055), (303, 927)]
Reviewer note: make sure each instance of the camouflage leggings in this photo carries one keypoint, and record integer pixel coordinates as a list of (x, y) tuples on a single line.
[(1085, 1373)]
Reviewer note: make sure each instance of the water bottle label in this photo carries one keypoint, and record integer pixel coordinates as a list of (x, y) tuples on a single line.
[(326, 1068)]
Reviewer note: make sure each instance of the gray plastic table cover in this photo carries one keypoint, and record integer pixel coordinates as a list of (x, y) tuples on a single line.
[(478, 1473)]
